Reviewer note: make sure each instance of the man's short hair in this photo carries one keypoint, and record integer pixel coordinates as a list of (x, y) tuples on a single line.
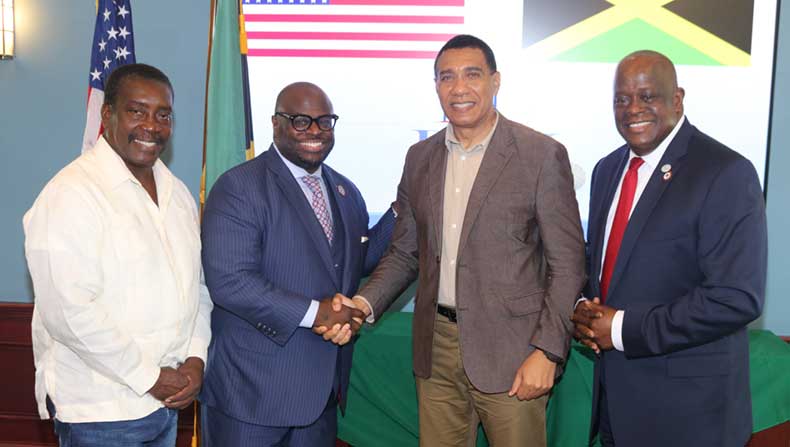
[(467, 41), (116, 78)]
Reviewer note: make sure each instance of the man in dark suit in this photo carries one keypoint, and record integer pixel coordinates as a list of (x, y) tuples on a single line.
[(680, 279), (489, 224), (282, 234)]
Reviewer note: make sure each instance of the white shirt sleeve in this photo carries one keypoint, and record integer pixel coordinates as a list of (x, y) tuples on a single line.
[(201, 334), (309, 316), (617, 330)]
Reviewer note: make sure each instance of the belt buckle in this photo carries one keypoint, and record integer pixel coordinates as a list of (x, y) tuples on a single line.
[(448, 312)]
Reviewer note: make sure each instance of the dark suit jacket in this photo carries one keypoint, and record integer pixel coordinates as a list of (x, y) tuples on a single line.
[(690, 274), (265, 257), (520, 258)]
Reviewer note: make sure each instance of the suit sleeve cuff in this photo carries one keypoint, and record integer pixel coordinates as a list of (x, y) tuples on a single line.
[(617, 330), (309, 316)]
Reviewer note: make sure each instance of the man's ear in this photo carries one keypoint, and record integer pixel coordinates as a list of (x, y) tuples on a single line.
[(677, 100), (106, 113)]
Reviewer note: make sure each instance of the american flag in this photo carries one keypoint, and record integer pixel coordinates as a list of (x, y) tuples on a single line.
[(113, 46), (410, 29)]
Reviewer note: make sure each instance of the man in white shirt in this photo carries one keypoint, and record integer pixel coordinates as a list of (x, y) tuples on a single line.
[(676, 259), (121, 319)]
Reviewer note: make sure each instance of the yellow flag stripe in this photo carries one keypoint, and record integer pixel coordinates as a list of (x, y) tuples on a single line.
[(579, 33), (653, 13), (242, 30), (639, 4), (699, 38)]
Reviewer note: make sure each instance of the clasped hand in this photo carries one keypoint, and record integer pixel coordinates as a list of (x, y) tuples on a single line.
[(177, 388), (339, 318), (593, 324)]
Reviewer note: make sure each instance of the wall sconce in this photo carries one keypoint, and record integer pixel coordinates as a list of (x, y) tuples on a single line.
[(6, 29)]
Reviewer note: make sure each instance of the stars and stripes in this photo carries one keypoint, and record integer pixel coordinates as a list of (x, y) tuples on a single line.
[(351, 28), (113, 45)]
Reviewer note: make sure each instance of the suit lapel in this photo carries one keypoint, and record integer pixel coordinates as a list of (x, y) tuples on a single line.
[(437, 169), (339, 192), (498, 153), (647, 202), (296, 198)]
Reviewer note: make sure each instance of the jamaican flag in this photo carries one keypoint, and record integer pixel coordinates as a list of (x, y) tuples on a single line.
[(691, 32)]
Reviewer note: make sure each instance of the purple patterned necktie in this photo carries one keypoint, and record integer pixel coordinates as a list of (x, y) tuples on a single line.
[(319, 204)]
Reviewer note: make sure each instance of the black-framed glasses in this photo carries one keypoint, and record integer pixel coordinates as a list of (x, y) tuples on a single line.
[(303, 122)]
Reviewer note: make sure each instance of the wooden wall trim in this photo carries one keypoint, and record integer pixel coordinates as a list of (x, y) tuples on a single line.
[(20, 425)]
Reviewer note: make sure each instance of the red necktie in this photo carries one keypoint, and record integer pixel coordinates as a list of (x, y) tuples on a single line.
[(624, 204)]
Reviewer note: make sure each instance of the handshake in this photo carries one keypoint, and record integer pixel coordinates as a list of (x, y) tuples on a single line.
[(339, 318)]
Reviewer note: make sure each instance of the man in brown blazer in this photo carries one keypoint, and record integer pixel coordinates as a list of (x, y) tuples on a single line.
[(488, 223)]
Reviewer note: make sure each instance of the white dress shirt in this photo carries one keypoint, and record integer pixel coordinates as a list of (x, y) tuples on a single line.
[(643, 175), (118, 287), (299, 172)]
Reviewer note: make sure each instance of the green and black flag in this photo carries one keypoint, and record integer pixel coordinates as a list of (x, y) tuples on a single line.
[(690, 32)]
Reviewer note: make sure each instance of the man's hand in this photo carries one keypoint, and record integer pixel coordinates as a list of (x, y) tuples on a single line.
[(169, 383), (362, 305), (534, 378), (338, 319), (192, 368), (596, 318), (582, 319)]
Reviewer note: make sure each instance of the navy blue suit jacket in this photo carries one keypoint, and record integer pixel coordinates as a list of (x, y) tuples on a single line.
[(265, 257), (690, 275)]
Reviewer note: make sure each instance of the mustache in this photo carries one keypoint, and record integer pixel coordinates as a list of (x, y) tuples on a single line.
[(155, 138)]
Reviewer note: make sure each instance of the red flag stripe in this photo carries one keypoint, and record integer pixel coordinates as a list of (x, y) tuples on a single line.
[(387, 54), (348, 18), (349, 36)]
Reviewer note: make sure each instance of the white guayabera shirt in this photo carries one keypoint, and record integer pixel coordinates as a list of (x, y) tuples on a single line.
[(118, 287)]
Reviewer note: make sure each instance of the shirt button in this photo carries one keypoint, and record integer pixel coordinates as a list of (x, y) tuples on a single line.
[(337, 265), (457, 189), (454, 226), (463, 157), (452, 262)]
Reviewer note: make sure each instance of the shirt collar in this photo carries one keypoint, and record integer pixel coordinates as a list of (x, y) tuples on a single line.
[(654, 158), (452, 143), (114, 171), (297, 171)]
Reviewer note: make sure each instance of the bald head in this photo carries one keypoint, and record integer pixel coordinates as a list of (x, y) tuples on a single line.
[(306, 148), (647, 60), (647, 100), (299, 92)]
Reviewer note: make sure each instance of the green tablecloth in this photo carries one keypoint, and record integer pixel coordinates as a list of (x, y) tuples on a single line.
[(382, 401)]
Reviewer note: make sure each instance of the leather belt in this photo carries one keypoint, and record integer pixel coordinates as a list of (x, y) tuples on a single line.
[(448, 312)]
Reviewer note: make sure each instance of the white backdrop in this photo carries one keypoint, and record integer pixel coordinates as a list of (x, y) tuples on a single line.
[(386, 104)]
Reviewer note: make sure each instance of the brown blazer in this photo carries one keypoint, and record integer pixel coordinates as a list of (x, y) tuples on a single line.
[(520, 258)]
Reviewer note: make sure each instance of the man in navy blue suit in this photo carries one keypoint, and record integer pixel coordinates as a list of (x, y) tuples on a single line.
[(677, 261), (282, 234)]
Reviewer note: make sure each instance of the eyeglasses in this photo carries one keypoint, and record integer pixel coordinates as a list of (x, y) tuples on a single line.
[(303, 122)]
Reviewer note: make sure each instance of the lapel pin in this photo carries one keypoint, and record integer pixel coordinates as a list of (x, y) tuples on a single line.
[(363, 239), (666, 168), (341, 190), (667, 176)]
